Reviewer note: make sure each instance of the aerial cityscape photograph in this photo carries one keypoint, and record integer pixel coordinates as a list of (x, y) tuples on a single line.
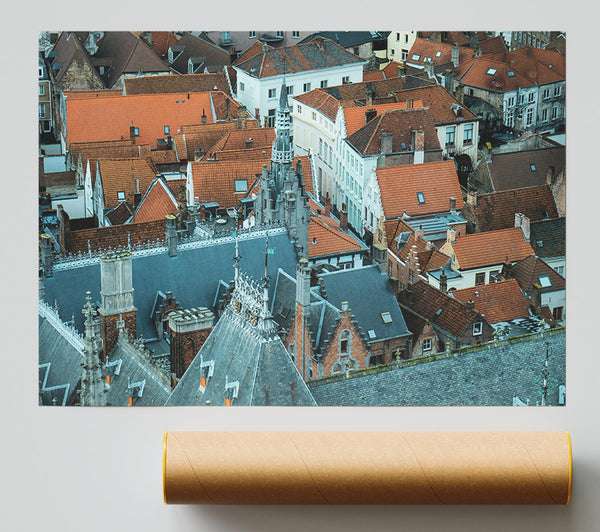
[(302, 218)]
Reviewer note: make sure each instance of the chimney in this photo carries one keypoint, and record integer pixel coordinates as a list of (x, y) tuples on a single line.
[(443, 282), (386, 142), (257, 115), (450, 236), (370, 114), (137, 197), (46, 252), (453, 205), (370, 97), (420, 232), (472, 198), (265, 47), (64, 229), (344, 218), (303, 284), (227, 110), (474, 41), (116, 309), (249, 143), (523, 223), (506, 272), (203, 117), (171, 235), (188, 330), (345, 306), (242, 117), (409, 103), (470, 305), (327, 204), (400, 71), (455, 54), (535, 298), (549, 175), (418, 143), (198, 154), (428, 67)]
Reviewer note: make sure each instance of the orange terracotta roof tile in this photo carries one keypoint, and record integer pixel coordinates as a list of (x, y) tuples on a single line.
[(392, 70), (320, 101), (111, 150), (120, 175), (110, 118), (325, 238), (156, 203), (76, 147), (263, 152), (478, 250), (393, 227), (438, 53), (121, 214), (380, 89), (439, 103), (372, 76), (174, 185), (251, 52), (163, 156), (118, 235), (400, 188), (238, 139), (179, 83), (502, 301), (199, 137), (161, 40), (355, 116), (82, 95)]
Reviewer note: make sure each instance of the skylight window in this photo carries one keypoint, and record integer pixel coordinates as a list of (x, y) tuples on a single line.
[(415, 57), (491, 71), (532, 166), (372, 334), (121, 195), (511, 74), (544, 281), (241, 185), (420, 198), (386, 317), (438, 53)]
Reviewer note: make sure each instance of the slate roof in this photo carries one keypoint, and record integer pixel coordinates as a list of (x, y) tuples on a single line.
[(530, 67), (215, 58), (317, 54), (525, 168), (497, 210), (438, 53), (262, 367), (492, 247), (120, 175), (153, 385), (251, 52), (192, 276), (399, 186), (347, 38), (178, 83), (426, 301), (356, 92), (528, 270), (501, 301), (369, 294), (68, 48), (117, 235), (548, 238), (157, 202), (489, 377), (59, 365), (401, 123), (128, 54), (110, 118)]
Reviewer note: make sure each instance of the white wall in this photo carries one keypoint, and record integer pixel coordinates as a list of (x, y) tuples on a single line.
[(73, 204)]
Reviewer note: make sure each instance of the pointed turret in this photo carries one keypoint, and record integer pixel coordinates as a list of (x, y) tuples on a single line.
[(93, 391)]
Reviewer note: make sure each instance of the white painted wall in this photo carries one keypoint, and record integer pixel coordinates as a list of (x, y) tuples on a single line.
[(397, 42), (556, 299), (73, 204)]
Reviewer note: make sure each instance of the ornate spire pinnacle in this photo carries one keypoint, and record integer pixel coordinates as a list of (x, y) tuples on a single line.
[(236, 262), (93, 392)]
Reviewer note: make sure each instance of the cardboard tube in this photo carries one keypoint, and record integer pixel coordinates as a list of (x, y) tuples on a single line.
[(367, 467)]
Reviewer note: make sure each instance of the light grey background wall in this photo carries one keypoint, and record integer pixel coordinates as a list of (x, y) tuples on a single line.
[(96, 470)]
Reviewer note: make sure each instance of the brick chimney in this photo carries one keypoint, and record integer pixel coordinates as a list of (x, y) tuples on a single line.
[(344, 218), (523, 223), (451, 236), (137, 196), (132, 132), (327, 204), (370, 97), (369, 115), (203, 117), (550, 175), (387, 139), (64, 229), (443, 282), (453, 205), (455, 54), (188, 330), (242, 117), (257, 115), (116, 309), (418, 144)]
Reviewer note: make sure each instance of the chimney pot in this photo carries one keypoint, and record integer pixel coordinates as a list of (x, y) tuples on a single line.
[(470, 305)]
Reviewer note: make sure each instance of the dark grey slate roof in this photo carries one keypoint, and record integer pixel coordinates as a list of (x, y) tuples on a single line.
[(261, 366), (548, 238), (369, 295), (127, 367), (193, 276), (348, 38), (490, 377), (59, 366)]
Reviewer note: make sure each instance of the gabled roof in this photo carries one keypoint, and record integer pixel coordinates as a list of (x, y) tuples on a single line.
[(527, 272), (355, 116), (103, 119), (321, 101), (317, 54), (207, 55), (347, 38), (120, 214), (494, 45), (161, 40), (251, 52), (497, 210), (177, 83), (369, 295), (120, 175), (128, 54), (522, 67), (367, 139), (156, 203), (357, 92), (84, 94), (525, 168), (548, 238), (400, 188), (439, 308), (325, 238), (478, 250), (68, 48), (373, 76), (502, 301), (261, 367), (438, 53), (199, 137), (238, 139)]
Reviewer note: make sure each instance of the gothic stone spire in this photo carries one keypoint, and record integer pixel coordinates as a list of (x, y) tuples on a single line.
[(92, 384)]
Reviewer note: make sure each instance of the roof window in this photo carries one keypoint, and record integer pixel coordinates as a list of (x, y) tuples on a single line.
[(438, 53), (544, 281), (532, 166), (241, 185), (121, 195), (511, 74), (372, 334), (491, 71), (415, 57), (386, 317), (420, 198)]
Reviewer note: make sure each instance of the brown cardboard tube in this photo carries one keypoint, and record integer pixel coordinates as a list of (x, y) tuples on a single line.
[(367, 467)]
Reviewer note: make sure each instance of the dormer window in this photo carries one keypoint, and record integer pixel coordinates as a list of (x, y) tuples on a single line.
[(511, 74), (544, 281), (252, 35), (477, 328)]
